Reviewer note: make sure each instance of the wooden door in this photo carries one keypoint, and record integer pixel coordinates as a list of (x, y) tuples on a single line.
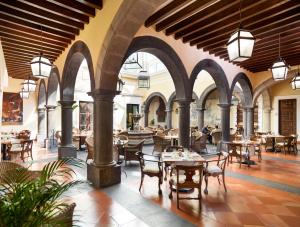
[(287, 116)]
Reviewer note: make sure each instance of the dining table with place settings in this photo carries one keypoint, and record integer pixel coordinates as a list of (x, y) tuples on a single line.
[(247, 144), (177, 157)]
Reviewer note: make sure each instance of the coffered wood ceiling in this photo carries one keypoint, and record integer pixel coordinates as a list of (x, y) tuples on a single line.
[(23, 21), (208, 24)]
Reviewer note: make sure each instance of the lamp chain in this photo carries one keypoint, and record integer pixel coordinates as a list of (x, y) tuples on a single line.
[(41, 39), (279, 44), (240, 13)]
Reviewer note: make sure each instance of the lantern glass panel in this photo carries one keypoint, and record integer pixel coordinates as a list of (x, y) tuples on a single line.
[(279, 70)]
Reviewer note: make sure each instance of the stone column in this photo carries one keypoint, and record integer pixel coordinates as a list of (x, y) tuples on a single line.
[(184, 122), (41, 136), (50, 110), (267, 119), (250, 121), (146, 114), (66, 149), (200, 112), (103, 171), (225, 121), (245, 121), (169, 118)]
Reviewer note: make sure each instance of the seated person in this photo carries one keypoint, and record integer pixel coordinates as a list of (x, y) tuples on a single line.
[(205, 130)]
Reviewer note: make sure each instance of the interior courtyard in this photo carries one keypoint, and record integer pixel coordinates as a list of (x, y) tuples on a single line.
[(152, 113)]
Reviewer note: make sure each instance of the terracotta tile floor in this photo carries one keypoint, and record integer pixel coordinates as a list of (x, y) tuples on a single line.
[(265, 194)]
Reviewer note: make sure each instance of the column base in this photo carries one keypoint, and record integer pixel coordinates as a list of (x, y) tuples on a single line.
[(103, 176), (40, 138), (67, 152)]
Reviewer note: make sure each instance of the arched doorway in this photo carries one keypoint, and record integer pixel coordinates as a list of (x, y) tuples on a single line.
[(220, 80), (42, 130), (78, 52), (53, 96), (155, 107)]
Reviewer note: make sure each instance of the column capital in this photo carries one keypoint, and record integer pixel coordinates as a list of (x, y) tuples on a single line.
[(41, 109), (225, 105), (67, 104), (50, 107), (248, 108), (267, 110), (183, 102), (103, 94), (200, 109), (168, 110)]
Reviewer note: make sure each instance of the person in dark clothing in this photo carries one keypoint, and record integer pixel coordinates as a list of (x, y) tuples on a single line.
[(206, 131)]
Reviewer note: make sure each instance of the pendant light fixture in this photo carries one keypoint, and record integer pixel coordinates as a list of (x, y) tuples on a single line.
[(24, 94), (296, 81), (280, 67), (29, 85), (40, 65), (241, 43)]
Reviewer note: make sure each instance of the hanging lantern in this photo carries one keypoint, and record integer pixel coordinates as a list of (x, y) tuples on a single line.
[(132, 62), (120, 85), (29, 85), (40, 67), (143, 79), (240, 45), (24, 94), (296, 81), (279, 69)]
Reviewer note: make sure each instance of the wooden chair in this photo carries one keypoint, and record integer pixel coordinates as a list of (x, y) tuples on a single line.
[(20, 150), (151, 166), (130, 151), (267, 142), (236, 150), (26, 149), (284, 144), (294, 144), (199, 144), (58, 137), (187, 176), (257, 146), (216, 137), (216, 168), (160, 144), (89, 141)]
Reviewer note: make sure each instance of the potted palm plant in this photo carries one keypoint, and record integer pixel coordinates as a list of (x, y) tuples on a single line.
[(34, 199)]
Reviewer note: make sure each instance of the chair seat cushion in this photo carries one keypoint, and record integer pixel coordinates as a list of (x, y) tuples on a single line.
[(213, 170), (151, 168), (281, 144)]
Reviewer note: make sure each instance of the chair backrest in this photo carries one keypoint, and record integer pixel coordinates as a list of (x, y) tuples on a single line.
[(7, 166), (216, 136), (89, 141), (27, 145), (122, 137), (269, 141), (193, 175), (222, 160), (124, 133)]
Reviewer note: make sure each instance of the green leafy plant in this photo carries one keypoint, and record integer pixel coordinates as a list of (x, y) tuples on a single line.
[(29, 200)]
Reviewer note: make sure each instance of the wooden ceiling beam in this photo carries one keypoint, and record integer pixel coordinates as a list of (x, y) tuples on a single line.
[(75, 6), (28, 42), (97, 4), (8, 55), (33, 38), (266, 42), (256, 11), (26, 50), (61, 11), (205, 14), (41, 13), (37, 27), (269, 29), (166, 11), (41, 22), (292, 43), (222, 36), (228, 15), (184, 12)]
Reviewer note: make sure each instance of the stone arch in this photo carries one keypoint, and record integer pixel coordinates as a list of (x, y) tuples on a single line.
[(151, 97), (218, 75), (148, 102), (42, 94), (207, 91), (53, 84), (221, 82), (171, 101), (246, 86), (167, 56), (77, 53)]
